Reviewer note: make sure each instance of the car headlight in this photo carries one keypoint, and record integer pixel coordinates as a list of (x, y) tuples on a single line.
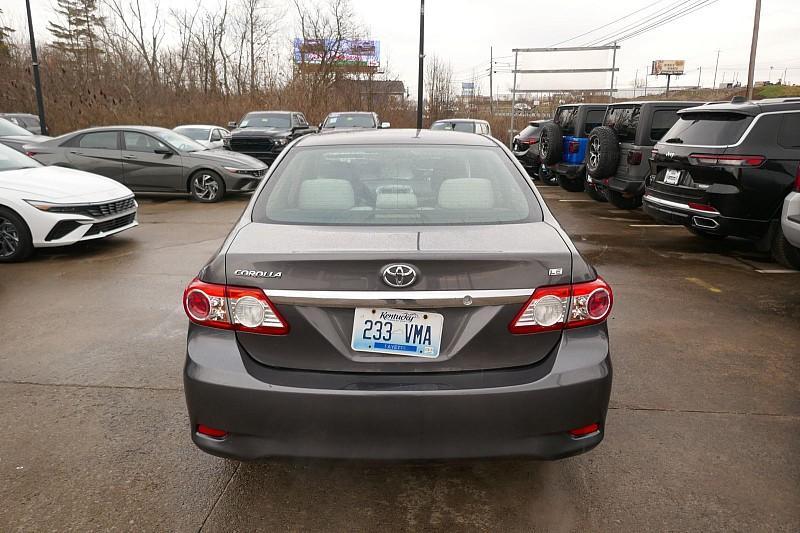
[(255, 172), (281, 141), (53, 208)]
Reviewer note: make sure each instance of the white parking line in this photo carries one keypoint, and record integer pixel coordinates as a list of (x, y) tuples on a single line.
[(777, 271), (587, 200), (655, 226)]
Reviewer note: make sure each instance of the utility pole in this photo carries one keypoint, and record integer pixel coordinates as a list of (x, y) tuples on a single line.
[(513, 101), (421, 58), (646, 79), (716, 66), (700, 77), (613, 66), (752, 67), (635, 83), (35, 63), (491, 68)]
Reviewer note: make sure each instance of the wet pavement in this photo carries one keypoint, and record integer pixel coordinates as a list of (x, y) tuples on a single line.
[(702, 433)]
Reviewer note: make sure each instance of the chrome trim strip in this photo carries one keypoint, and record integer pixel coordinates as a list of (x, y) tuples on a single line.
[(678, 205), (406, 299)]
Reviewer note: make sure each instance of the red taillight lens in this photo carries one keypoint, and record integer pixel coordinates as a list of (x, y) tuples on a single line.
[(727, 160), (585, 430), (211, 432), (533, 141), (634, 157), (564, 306), (30, 154), (240, 308), (702, 207), (573, 147)]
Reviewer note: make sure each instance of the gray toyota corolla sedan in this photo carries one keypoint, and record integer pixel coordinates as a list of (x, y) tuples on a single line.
[(149, 159), (397, 294)]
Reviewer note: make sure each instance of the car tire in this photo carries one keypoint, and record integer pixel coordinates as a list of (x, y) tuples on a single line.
[(593, 193), (782, 250), (621, 201), (571, 185), (550, 144), (602, 153), (547, 176), (206, 186), (706, 234), (16, 243)]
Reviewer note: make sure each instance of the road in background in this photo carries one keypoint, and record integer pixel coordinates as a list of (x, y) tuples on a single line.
[(701, 435)]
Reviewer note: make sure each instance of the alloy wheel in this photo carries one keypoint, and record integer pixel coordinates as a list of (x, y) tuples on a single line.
[(9, 238), (594, 153), (205, 187)]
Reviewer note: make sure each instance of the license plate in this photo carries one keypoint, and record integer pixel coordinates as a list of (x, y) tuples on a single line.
[(672, 177), (397, 332)]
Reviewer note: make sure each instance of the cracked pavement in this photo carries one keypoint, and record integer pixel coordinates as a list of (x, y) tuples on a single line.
[(702, 434)]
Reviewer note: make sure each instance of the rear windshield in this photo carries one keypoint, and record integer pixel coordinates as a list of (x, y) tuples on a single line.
[(468, 127), (349, 120), (565, 118), (396, 185), (624, 121), (195, 134), (528, 131), (712, 129)]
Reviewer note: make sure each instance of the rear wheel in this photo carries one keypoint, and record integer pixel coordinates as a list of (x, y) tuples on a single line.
[(593, 193), (206, 186), (571, 185), (622, 201), (783, 252), (15, 237), (547, 176)]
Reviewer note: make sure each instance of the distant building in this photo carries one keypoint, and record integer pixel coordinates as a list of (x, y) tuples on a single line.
[(374, 92)]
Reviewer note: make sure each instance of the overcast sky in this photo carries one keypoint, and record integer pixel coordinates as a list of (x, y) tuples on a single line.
[(462, 32)]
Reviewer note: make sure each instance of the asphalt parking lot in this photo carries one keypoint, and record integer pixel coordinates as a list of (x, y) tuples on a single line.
[(702, 433)]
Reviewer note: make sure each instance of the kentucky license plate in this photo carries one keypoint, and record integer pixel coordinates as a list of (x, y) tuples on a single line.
[(397, 332), (672, 177)]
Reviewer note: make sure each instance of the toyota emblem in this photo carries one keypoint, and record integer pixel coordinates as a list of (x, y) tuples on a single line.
[(399, 275)]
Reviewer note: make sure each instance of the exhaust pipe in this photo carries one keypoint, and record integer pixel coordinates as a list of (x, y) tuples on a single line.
[(704, 222)]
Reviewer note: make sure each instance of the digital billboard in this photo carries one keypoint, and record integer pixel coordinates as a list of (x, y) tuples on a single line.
[(346, 53)]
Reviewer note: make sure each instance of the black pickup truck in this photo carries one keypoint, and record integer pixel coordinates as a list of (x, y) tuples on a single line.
[(264, 134)]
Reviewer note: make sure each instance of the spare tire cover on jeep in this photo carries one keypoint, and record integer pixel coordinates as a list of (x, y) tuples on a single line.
[(602, 155), (550, 143)]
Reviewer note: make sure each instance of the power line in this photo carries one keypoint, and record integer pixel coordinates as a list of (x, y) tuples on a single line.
[(691, 9), (664, 12), (608, 23)]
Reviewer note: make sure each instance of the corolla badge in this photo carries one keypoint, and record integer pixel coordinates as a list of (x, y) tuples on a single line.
[(399, 275), (258, 273)]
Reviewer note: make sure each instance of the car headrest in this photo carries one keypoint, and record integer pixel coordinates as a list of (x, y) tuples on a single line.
[(395, 197), (326, 193), (466, 193)]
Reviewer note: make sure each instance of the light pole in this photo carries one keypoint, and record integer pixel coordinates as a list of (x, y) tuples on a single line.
[(421, 58), (751, 68), (35, 63)]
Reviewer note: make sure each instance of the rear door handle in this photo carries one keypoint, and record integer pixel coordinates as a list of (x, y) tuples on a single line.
[(129, 157), (76, 153)]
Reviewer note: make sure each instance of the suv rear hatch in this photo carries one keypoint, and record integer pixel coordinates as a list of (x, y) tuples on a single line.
[(697, 159), (496, 266)]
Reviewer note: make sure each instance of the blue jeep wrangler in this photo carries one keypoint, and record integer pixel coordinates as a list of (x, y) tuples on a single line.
[(563, 142)]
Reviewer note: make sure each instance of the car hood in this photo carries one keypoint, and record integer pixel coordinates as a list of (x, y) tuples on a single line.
[(227, 158), (260, 132), (62, 185)]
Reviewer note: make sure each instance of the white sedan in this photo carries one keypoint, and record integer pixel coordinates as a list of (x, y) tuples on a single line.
[(211, 137), (53, 206)]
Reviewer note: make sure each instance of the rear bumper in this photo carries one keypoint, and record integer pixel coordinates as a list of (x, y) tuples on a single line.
[(626, 186), (569, 171), (673, 212), (374, 417)]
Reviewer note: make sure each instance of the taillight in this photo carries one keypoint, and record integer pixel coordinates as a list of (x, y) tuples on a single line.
[(634, 157), (573, 147), (727, 160), (564, 306), (533, 141), (702, 207), (238, 308), (30, 154)]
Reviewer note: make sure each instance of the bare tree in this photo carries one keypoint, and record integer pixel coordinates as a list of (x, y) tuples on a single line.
[(132, 27), (439, 87)]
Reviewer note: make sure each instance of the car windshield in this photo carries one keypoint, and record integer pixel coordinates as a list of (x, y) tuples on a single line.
[(179, 142), (710, 129), (13, 160), (266, 120), (194, 133), (396, 185), (8, 128), (623, 120), (454, 126), (349, 120)]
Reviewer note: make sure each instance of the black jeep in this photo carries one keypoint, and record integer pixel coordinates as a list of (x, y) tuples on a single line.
[(725, 169), (562, 142), (619, 150), (263, 134)]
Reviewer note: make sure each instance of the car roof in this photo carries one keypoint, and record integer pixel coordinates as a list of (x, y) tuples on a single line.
[(351, 113), (396, 136), (197, 126), (748, 107), (272, 111), (18, 115), (658, 102), (459, 120), (584, 104)]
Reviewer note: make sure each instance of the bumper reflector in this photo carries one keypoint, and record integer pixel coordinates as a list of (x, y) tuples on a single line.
[(585, 430), (211, 432)]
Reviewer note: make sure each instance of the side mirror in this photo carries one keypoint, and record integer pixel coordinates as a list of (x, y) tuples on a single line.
[(231, 124), (163, 151), (320, 126), (385, 125)]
